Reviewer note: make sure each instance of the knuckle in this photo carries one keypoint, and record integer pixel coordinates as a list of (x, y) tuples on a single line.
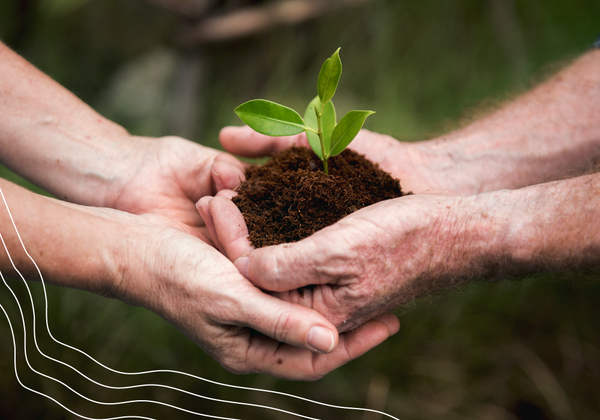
[(235, 364), (282, 327), (268, 266)]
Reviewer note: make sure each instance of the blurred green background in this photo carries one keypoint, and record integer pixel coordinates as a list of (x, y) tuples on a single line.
[(527, 349)]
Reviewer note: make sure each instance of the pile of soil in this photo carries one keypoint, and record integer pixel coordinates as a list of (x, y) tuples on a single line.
[(290, 197)]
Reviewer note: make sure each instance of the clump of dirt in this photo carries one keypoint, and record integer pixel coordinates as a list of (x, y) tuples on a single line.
[(290, 197)]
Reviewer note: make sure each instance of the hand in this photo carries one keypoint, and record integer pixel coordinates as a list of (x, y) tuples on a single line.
[(198, 290), (361, 267), (417, 166), (167, 176), (148, 261)]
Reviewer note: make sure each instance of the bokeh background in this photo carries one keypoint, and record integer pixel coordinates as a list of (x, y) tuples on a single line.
[(526, 349)]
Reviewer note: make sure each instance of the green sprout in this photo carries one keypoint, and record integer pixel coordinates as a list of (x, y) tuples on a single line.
[(325, 135)]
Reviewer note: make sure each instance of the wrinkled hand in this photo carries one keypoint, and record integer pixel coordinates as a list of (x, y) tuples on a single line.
[(167, 176), (363, 266), (347, 271), (197, 289)]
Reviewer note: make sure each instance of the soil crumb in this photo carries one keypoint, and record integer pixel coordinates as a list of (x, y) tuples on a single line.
[(290, 197)]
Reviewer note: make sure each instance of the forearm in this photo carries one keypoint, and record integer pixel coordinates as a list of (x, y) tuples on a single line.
[(73, 246), (545, 134), (551, 227), (55, 140)]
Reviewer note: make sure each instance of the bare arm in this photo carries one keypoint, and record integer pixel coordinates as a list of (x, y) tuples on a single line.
[(547, 133), (58, 142), (147, 261), (52, 138), (395, 251), (390, 253)]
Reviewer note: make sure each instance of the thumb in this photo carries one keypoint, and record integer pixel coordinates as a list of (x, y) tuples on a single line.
[(244, 141), (286, 267), (227, 172), (288, 323)]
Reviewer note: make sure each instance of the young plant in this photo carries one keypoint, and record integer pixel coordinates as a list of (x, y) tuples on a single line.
[(326, 136)]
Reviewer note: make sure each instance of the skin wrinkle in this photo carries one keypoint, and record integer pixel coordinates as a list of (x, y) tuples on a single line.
[(527, 230), (117, 195), (284, 324), (379, 251), (151, 263)]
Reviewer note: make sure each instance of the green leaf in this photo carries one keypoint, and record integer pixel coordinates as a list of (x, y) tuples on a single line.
[(270, 118), (328, 120), (347, 129), (329, 77)]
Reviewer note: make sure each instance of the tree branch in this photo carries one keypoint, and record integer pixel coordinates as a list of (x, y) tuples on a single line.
[(253, 20)]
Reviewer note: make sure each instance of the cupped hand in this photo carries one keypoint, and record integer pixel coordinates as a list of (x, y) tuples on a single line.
[(413, 163), (366, 264), (167, 176), (197, 289)]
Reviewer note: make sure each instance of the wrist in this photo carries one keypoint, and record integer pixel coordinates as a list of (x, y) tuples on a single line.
[(73, 246), (492, 237), (452, 165), (463, 238), (118, 163)]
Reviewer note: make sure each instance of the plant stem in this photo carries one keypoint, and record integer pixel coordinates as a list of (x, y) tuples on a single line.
[(321, 140)]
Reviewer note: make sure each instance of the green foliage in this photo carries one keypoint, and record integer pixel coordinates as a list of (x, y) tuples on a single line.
[(329, 77), (328, 120), (325, 137), (346, 130), (269, 118), (433, 62), (62, 7)]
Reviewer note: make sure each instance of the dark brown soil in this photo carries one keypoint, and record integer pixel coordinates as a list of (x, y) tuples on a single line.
[(290, 197)]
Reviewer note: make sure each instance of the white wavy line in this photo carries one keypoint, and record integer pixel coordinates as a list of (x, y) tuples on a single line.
[(46, 306), (47, 396), (129, 387)]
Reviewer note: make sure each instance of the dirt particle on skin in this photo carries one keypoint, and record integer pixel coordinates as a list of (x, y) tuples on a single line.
[(289, 198)]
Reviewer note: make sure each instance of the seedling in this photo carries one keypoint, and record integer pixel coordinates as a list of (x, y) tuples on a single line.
[(325, 135)]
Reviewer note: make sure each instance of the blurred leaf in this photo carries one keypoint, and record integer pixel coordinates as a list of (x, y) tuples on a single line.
[(270, 118), (347, 129), (62, 7)]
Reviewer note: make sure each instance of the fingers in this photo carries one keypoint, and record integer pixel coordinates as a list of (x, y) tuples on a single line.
[(294, 363), (391, 322), (227, 172), (440, 192), (290, 266), (225, 224), (244, 141), (230, 227), (202, 207), (287, 323), (228, 194)]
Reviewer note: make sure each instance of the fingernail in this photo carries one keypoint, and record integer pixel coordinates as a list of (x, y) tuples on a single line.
[(217, 178), (321, 339), (242, 265)]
